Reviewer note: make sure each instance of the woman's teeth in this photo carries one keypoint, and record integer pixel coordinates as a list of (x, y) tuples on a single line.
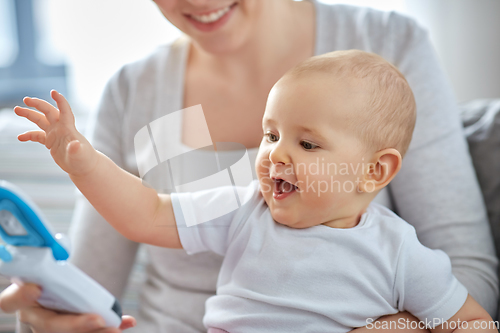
[(212, 17)]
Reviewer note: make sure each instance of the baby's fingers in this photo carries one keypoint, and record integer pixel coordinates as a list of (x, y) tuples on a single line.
[(35, 117), (50, 111), (35, 136), (66, 115)]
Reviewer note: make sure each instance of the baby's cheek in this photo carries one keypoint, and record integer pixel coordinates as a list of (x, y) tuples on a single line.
[(323, 192), (262, 166), (266, 189)]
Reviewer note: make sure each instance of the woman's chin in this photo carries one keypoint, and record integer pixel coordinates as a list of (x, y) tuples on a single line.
[(221, 43), (226, 40)]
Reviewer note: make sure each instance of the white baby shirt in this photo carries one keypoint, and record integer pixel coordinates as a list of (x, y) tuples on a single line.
[(320, 279)]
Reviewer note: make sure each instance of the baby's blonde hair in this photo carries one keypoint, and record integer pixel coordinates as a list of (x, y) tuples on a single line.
[(390, 117)]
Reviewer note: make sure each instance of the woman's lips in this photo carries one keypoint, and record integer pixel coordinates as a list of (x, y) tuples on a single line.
[(213, 20)]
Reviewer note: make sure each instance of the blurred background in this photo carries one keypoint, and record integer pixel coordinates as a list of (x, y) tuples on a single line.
[(76, 46)]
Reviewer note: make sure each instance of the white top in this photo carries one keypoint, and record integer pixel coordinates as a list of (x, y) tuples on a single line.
[(320, 279), (436, 190)]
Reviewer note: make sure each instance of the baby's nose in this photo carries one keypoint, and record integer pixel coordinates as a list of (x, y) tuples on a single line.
[(279, 155)]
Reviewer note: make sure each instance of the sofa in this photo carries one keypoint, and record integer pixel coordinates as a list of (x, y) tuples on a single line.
[(481, 120)]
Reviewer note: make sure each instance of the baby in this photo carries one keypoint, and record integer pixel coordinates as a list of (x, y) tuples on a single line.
[(308, 251)]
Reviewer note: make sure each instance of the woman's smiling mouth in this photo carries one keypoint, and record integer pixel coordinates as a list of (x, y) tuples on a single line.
[(211, 20), (211, 17)]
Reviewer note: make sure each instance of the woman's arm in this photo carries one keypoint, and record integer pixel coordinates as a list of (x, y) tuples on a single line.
[(97, 248), (399, 322), (470, 318), (436, 190), (471, 313)]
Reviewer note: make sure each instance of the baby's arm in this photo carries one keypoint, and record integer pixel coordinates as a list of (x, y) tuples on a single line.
[(137, 212), (470, 318)]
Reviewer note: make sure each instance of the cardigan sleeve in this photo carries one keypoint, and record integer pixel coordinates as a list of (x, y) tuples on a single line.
[(437, 190)]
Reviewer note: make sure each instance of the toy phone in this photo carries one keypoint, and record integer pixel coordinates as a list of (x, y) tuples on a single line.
[(35, 254)]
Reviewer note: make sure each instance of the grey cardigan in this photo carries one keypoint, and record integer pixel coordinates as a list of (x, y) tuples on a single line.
[(436, 190)]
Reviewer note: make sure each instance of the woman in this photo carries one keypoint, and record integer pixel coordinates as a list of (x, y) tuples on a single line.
[(236, 51)]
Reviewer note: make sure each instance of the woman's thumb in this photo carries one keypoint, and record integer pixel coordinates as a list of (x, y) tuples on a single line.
[(18, 297)]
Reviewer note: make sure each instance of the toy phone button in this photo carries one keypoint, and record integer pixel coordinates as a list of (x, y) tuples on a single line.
[(5, 254)]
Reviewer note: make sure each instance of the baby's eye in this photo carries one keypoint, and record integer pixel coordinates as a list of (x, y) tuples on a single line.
[(271, 137), (308, 145)]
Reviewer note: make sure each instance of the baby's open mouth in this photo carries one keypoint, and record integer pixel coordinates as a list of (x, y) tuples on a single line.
[(282, 187)]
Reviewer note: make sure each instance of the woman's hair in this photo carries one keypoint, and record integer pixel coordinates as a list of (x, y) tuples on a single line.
[(389, 119)]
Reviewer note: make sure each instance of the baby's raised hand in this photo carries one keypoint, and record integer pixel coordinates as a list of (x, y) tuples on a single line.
[(70, 150)]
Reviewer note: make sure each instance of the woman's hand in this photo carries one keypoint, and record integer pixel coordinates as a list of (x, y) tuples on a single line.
[(70, 150), (399, 322), (23, 300)]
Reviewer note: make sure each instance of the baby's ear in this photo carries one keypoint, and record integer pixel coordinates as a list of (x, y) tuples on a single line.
[(382, 168)]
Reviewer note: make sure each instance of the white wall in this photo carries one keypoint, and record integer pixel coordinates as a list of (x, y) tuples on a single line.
[(98, 36), (95, 38), (466, 35)]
